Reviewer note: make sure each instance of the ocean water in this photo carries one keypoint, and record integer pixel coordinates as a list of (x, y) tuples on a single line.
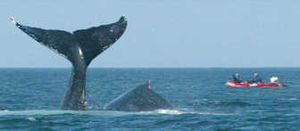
[(32, 98)]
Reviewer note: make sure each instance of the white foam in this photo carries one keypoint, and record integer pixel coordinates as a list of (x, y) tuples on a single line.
[(293, 99), (186, 111), (168, 111), (31, 118)]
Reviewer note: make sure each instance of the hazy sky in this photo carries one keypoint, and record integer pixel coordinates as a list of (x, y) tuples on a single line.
[(161, 33)]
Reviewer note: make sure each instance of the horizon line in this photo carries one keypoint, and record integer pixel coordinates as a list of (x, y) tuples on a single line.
[(150, 67)]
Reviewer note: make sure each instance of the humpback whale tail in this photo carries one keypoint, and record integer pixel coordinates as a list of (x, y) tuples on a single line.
[(87, 42), (80, 48)]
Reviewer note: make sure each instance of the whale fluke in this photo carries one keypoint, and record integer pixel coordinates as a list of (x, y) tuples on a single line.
[(80, 48), (12, 20), (140, 98)]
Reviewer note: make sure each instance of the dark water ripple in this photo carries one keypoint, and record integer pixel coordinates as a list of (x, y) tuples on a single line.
[(32, 97)]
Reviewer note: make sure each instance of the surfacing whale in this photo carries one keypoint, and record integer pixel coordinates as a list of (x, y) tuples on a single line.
[(141, 98), (80, 48)]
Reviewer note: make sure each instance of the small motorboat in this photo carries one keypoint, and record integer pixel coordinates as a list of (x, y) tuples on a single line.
[(274, 82)]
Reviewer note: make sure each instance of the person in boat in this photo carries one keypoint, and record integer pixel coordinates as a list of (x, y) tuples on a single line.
[(256, 78), (236, 77)]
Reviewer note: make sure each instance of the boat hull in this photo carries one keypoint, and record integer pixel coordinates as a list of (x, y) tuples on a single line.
[(248, 84)]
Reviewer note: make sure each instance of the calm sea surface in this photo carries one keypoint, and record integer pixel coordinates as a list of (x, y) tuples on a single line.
[(32, 98)]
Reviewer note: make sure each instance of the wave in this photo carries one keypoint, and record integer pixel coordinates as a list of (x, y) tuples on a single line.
[(103, 113), (218, 103), (293, 99), (179, 112)]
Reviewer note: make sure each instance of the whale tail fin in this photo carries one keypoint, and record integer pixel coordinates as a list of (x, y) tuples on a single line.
[(91, 42), (80, 48)]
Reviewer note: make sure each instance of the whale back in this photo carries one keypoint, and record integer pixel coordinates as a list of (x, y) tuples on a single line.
[(141, 98)]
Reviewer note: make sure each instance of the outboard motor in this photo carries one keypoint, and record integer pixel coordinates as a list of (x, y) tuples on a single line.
[(274, 79)]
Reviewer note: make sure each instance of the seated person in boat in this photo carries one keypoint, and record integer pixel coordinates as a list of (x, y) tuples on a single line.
[(236, 77), (256, 78)]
